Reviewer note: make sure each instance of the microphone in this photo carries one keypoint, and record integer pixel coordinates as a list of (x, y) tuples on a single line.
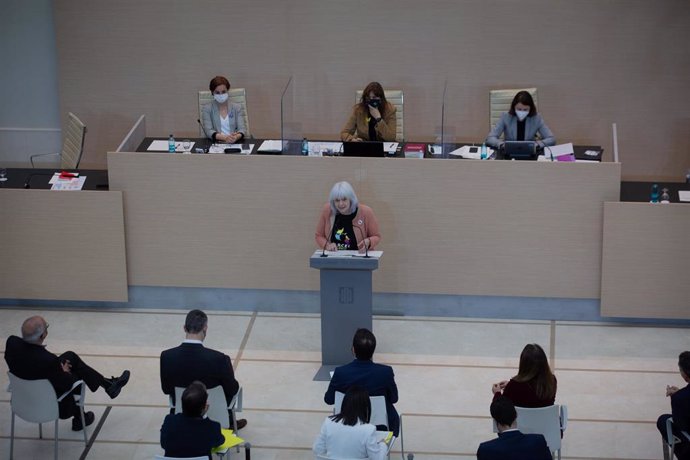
[(364, 242), (27, 182), (328, 237), (546, 147), (205, 135)]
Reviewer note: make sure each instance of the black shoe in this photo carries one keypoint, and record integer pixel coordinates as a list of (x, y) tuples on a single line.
[(76, 421), (241, 423), (116, 384)]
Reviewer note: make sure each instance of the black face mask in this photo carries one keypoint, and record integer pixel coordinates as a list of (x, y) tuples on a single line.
[(375, 103)]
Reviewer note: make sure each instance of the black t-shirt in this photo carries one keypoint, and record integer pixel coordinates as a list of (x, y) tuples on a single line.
[(521, 130), (372, 129), (343, 233)]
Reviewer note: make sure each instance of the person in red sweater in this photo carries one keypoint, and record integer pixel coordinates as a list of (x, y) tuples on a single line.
[(534, 385), (345, 223)]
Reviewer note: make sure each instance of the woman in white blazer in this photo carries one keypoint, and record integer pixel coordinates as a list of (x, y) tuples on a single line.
[(521, 123), (222, 120), (349, 435)]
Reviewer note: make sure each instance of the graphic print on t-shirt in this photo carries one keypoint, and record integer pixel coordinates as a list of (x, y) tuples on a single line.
[(342, 239)]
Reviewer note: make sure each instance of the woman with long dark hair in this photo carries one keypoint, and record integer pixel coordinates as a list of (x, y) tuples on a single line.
[(372, 119), (349, 434), (534, 385)]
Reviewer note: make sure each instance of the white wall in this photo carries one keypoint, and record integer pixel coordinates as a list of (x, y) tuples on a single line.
[(29, 111)]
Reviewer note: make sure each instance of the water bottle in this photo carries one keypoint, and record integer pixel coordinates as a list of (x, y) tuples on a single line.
[(171, 144), (305, 147), (687, 177), (665, 197), (483, 154), (654, 197)]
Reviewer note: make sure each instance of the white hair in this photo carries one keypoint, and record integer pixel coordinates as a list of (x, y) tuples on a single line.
[(343, 190)]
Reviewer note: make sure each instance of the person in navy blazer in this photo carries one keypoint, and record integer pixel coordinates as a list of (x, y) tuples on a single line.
[(511, 444), (190, 434), (680, 409), (377, 379), (191, 361), (521, 123)]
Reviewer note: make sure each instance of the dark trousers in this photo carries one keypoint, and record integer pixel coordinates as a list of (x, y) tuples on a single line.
[(80, 371), (681, 450)]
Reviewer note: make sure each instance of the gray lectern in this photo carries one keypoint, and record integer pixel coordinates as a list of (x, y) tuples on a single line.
[(345, 305)]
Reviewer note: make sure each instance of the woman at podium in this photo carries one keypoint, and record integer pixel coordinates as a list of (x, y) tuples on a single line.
[(222, 120), (521, 123), (345, 223), (372, 119)]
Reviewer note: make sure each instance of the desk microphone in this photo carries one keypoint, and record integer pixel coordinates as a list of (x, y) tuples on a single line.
[(328, 237), (27, 182), (205, 135), (364, 242)]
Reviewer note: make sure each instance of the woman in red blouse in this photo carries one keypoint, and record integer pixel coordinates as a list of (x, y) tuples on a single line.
[(534, 385)]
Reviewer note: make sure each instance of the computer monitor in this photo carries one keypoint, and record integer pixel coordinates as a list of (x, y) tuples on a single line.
[(363, 149), (520, 150)]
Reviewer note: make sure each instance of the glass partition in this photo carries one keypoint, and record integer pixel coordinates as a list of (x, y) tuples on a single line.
[(290, 126)]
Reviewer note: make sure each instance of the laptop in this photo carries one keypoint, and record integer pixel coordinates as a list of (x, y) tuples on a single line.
[(520, 150), (363, 149)]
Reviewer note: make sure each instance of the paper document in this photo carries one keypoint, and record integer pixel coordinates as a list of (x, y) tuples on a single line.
[(161, 145), (684, 195), (467, 151), (231, 440), (559, 150), (390, 147), (271, 146), (75, 183), (349, 254)]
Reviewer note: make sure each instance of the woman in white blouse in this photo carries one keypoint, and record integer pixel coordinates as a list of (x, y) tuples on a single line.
[(349, 435)]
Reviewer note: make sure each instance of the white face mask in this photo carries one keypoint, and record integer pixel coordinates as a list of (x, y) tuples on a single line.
[(521, 114), (221, 98)]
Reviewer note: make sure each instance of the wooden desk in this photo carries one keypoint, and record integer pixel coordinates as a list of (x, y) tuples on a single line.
[(62, 245), (449, 227)]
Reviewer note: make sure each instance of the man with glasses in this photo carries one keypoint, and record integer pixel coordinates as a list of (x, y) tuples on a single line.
[(28, 359)]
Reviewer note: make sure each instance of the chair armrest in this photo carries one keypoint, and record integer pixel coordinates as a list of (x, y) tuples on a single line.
[(564, 417), (74, 385), (170, 402), (686, 435), (670, 439), (31, 158)]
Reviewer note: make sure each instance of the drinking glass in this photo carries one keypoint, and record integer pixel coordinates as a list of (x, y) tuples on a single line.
[(186, 145), (3, 174)]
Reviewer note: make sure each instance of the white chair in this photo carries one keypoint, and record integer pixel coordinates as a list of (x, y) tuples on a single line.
[(500, 100), (379, 415), (397, 98), (163, 457), (236, 95), (671, 440), (35, 401), (217, 407), (548, 421), (72, 144)]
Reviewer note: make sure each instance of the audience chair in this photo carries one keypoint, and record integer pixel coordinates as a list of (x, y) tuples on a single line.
[(548, 421), (379, 415), (236, 95), (35, 401), (72, 144), (397, 98), (217, 407), (162, 457), (500, 99), (671, 440)]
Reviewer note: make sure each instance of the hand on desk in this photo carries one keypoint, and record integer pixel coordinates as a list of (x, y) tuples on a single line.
[(362, 246), (331, 247), (229, 138)]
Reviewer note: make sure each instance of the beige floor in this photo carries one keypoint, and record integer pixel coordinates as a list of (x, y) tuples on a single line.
[(612, 377)]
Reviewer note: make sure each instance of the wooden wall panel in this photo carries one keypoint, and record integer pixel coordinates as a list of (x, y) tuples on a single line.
[(62, 245), (594, 62)]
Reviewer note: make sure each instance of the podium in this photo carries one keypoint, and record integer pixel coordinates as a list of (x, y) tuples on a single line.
[(346, 299)]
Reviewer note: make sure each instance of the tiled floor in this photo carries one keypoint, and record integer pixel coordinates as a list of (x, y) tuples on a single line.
[(612, 377)]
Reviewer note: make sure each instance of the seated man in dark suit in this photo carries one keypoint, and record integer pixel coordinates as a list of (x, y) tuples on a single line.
[(28, 359), (191, 361), (190, 434), (680, 409), (377, 379), (511, 444)]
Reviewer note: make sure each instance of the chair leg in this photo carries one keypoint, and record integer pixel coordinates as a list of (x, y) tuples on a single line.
[(83, 424), (12, 436), (56, 437), (234, 427), (40, 431), (664, 446), (402, 444)]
